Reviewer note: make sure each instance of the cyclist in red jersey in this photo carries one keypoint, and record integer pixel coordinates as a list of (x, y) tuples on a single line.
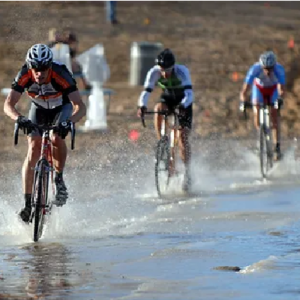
[(55, 99)]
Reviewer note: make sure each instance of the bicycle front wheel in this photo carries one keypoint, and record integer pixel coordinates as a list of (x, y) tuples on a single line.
[(40, 197), (162, 166), (266, 152)]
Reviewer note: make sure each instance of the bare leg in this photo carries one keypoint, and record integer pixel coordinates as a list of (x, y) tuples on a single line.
[(275, 115), (59, 152), (184, 145), (34, 150), (256, 116), (275, 125), (33, 154), (256, 123), (185, 151), (158, 118), (59, 160)]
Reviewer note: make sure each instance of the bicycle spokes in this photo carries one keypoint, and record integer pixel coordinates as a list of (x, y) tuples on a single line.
[(162, 166), (40, 197), (266, 151)]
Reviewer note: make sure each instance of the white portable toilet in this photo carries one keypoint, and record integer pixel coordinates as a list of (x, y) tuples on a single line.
[(61, 54), (97, 72), (142, 59)]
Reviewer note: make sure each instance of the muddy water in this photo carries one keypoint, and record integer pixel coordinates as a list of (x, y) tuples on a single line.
[(235, 237)]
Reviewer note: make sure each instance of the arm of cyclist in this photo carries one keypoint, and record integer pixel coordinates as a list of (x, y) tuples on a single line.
[(185, 77), (79, 111), (252, 73), (11, 111), (280, 74), (10, 105), (243, 94), (152, 77), (281, 92), (79, 108)]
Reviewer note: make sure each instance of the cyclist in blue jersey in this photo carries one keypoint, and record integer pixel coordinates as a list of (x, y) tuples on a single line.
[(267, 78), (175, 81)]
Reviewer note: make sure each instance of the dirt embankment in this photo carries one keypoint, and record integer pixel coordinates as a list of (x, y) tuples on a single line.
[(218, 41)]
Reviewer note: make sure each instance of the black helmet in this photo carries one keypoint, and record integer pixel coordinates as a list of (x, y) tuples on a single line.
[(166, 59)]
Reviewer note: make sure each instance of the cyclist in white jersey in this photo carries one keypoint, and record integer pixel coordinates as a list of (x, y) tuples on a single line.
[(267, 78), (175, 81)]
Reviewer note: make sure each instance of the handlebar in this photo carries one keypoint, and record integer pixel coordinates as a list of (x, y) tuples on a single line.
[(44, 128), (249, 104), (73, 131), (16, 134), (162, 112)]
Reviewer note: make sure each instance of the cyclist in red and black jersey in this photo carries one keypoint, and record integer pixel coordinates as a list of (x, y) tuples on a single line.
[(55, 99)]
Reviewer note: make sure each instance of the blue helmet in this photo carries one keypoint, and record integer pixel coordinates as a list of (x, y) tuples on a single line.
[(267, 59)]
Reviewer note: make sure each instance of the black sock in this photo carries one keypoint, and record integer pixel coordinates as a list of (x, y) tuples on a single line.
[(58, 176), (27, 198), (277, 146)]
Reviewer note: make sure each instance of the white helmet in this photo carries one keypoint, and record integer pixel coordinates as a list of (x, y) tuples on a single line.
[(267, 59), (39, 56)]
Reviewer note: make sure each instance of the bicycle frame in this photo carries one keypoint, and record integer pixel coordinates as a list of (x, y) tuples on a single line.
[(266, 137), (263, 111), (172, 115), (168, 127), (45, 154), (166, 149), (264, 114)]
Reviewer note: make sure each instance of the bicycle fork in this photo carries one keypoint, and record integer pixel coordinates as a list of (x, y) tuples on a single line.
[(264, 118), (266, 125), (172, 143)]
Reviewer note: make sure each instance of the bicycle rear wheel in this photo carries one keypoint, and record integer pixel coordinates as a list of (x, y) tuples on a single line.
[(266, 152), (40, 197), (162, 166)]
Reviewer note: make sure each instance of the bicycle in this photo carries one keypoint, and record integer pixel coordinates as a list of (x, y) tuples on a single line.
[(166, 149), (266, 152), (40, 206)]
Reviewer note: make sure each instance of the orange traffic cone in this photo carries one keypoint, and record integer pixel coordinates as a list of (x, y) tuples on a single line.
[(235, 76), (291, 43)]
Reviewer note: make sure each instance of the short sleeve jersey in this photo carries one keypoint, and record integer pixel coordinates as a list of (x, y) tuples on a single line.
[(53, 93), (257, 76)]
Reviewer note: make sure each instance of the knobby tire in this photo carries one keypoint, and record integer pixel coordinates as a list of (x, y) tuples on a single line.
[(266, 152), (162, 155), (40, 193)]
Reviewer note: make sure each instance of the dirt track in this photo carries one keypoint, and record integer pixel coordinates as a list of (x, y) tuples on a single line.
[(214, 39)]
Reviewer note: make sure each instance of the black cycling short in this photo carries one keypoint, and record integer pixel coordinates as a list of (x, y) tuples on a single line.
[(171, 102), (42, 116)]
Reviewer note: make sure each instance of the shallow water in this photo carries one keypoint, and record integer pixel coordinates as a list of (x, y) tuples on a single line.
[(119, 241)]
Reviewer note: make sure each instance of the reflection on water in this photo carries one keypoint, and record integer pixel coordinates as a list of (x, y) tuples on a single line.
[(132, 245), (41, 270), (49, 269)]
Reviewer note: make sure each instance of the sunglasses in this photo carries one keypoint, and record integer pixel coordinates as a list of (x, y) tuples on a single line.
[(269, 69), (41, 69), (168, 70)]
